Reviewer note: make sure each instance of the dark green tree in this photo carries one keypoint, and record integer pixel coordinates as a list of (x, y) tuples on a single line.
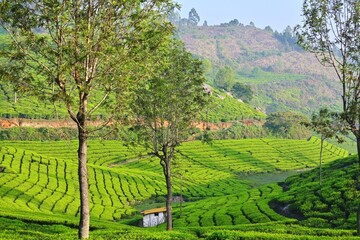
[(194, 18), (234, 22), (328, 125), (268, 29), (287, 125), (242, 91), (331, 30), (224, 78), (65, 49), (165, 107)]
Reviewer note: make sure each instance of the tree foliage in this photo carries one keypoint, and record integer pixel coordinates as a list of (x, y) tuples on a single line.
[(328, 125), (165, 107), (242, 91), (63, 50), (288, 38), (287, 125), (224, 78), (331, 30), (194, 18)]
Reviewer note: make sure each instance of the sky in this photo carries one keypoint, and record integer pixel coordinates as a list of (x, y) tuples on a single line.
[(278, 14)]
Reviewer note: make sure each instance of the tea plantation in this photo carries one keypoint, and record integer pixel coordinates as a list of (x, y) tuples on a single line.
[(38, 186)]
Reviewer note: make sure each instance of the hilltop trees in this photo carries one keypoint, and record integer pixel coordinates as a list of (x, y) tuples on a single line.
[(165, 106), (194, 18), (331, 30), (84, 46)]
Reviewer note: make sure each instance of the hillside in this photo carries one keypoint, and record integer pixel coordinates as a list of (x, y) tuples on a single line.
[(223, 108), (282, 76), (332, 204), (38, 179), (38, 185)]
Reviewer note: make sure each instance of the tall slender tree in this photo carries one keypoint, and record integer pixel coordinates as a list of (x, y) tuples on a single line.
[(72, 50), (165, 107), (328, 125), (331, 30)]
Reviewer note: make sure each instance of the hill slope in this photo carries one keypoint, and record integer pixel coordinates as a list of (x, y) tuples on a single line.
[(332, 204), (223, 107), (39, 180), (282, 76)]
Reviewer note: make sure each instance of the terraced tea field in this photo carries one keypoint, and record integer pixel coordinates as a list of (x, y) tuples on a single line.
[(40, 179)]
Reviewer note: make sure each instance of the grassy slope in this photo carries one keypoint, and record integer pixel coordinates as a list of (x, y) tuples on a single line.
[(283, 79), (40, 180), (332, 204), (225, 109)]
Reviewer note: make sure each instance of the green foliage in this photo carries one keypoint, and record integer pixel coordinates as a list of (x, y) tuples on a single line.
[(42, 188), (38, 134), (166, 105), (327, 124), (287, 125), (330, 204), (244, 92), (259, 76), (225, 108), (224, 78), (42, 183), (331, 30), (237, 131)]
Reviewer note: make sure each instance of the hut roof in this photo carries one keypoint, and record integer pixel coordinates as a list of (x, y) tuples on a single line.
[(154, 210)]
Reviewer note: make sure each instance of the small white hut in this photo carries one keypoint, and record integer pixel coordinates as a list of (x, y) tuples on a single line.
[(153, 217)]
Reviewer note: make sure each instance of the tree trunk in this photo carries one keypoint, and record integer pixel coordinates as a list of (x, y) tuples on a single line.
[(358, 221), (358, 209), (84, 225), (321, 151), (181, 196), (358, 147), (169, 225)]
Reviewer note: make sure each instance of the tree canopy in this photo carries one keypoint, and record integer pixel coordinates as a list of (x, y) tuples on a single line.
[(165, 107), (287, 125), (224, 78), (242, 91), (328, 125), (64, 50), (331, 30), (194, 18)]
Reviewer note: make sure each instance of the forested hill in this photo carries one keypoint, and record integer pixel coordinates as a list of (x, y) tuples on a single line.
[(280, 74)]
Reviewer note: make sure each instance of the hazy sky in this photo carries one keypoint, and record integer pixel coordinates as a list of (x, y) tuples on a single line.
[(274, 13)]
